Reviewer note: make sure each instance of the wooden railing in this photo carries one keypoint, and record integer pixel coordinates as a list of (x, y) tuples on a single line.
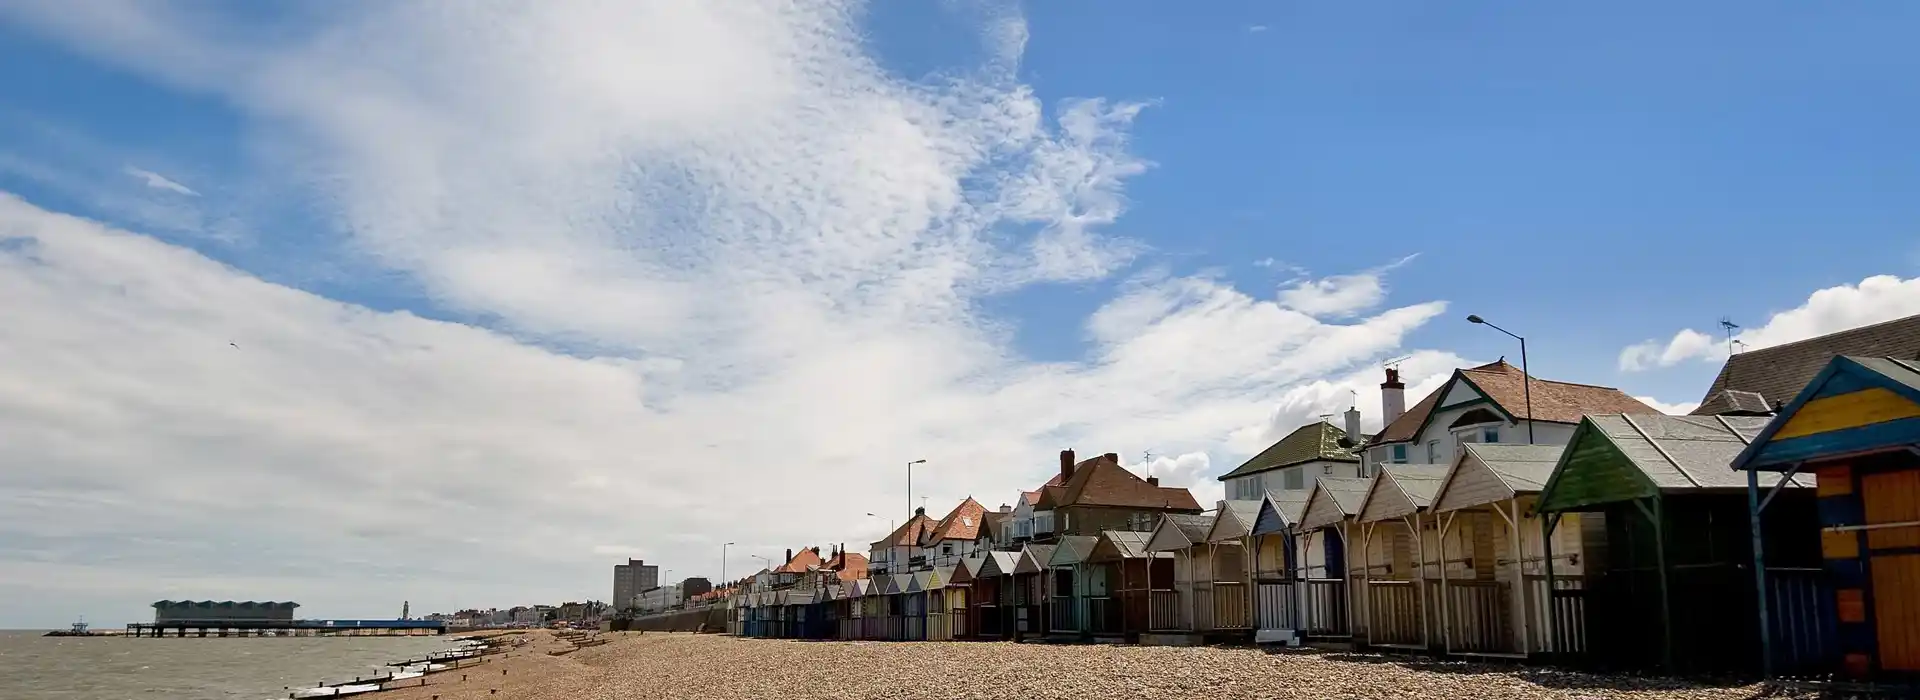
[(1104, 616), (1324, 608), (1202, 607), (1393, 613), (1273, 607), (1558, 619), (1480, 616), (1799, 615), (1230, 606), (1166, 611), (1065, 614)]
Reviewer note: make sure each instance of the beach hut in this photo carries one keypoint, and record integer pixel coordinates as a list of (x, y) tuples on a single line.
[(1030, 590), (1278, 586), (1493, 593), (851, 610), (993, 595), (1856, 428), (1227, 567), (1333, 601), (1119, 572), (1182, 613), (1068, 582), (1397, 550), (896, 595), (873, 623), (964, 614), (1667, 555), (914, 612)]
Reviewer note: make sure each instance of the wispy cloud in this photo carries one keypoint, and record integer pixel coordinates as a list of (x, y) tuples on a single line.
[(159, 182), (1256, 28), (772, 249)]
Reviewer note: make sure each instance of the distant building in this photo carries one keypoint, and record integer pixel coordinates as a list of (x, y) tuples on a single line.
[(170, 611), (630, 579)]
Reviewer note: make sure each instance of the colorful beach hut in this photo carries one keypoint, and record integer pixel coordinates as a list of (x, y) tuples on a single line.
[(1493, 593), (914, 608), (1397, 548), (1182, 611), (1328, 604), (1668, 576), (873, 602), (1278, 586), (1856, 427), (1069, 582)]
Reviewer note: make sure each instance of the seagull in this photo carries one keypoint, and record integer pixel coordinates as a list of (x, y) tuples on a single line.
[(236, 347)]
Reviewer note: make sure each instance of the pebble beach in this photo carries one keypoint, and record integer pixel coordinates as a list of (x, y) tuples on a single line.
[(660, 666)]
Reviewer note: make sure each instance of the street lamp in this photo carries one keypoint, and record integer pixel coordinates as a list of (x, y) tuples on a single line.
[(910, 486), (1527, 382), (723, 563)]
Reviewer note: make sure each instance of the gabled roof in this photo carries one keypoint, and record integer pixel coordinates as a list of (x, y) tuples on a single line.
[(848, 565), (1179, 531), (1332, 500), (1780, 371), (1033, 558), (998, 564), (1400, 490), (1101, 481), (1234, 521), (1855, 406), (1614, 458), (1122, 544), (804, 560), (1516, 469), (1316, 442), (962, 523), (1504, 386), (1072, 549), (1033, 496), (1280, 511), (964, 573), (909, 532)]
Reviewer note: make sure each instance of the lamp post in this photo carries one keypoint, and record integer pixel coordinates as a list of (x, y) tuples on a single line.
[(723, 563), (1526, 386), (910, 486)]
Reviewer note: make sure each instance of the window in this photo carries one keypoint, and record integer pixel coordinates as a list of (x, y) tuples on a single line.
[(1399, 454), (1294, 479), (946, 548), (1489, 434), (1433, 452)]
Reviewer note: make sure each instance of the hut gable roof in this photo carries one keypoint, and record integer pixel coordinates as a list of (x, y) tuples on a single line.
[(1401, 489), (1332, 500), (1072, 550), (998, 564), (1318, 441), (1855, 405), (1235, 520), (1778, 372), (1613, 458), (1033, 558), (1122, 544), (1179, 531), (1487, 473), (1505, 388), (1279, 512)]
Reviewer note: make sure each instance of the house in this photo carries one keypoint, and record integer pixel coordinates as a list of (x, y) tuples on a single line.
[(1667, 580), (1022, 520), (1485, 404), (1856, 427), (1292, 463), (891, 555), (996, 530), (953, 537), (1756, 382), (1098, 494)]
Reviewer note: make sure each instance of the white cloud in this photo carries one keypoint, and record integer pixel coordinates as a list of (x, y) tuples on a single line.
[(1340, 295), (759, 251), (1192, 471), (1671, 409), (1874, 300), (158, 181)]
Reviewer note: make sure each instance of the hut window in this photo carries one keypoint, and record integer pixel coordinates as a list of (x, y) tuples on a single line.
[(1489, 434)]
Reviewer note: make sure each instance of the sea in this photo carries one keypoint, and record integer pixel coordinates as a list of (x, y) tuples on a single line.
[(33, 667)]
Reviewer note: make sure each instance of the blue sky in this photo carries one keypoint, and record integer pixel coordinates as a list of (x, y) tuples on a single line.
[(794, 242)]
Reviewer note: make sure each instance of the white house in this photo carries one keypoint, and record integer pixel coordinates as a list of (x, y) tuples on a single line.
[(1293, 462), (1485, 404), (953, 537), (891, 555)]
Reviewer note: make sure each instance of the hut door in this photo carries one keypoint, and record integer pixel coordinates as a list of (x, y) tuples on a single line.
[(1336, 555), (1892, 501)]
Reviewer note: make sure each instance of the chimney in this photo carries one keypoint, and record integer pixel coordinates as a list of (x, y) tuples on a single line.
[(1393, 397), (1153, 481), (1353, 425), (789, 555), (1113, 457), (920, 512), (1066, 465), (816, 550), (1004, 508)]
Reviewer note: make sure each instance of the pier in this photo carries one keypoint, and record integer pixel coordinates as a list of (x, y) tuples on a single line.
[(283, 628)]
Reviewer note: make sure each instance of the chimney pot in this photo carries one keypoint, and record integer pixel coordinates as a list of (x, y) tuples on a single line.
[(1113, 457), (922, 511), (1004, 508), (816, 551), (1153, 481), (1393, 397), (1066, 465), (789, 555)]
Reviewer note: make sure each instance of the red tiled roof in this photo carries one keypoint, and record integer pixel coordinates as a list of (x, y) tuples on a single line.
[(802, 561), (1100, 481), (1505, 385), (963, 523), (1033, 497), (909, 532), (852, 566)]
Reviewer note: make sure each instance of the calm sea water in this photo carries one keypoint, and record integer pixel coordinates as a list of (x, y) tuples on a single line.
[(33, 667)]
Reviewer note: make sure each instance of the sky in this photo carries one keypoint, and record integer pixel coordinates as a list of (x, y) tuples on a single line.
[(354, 303)]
